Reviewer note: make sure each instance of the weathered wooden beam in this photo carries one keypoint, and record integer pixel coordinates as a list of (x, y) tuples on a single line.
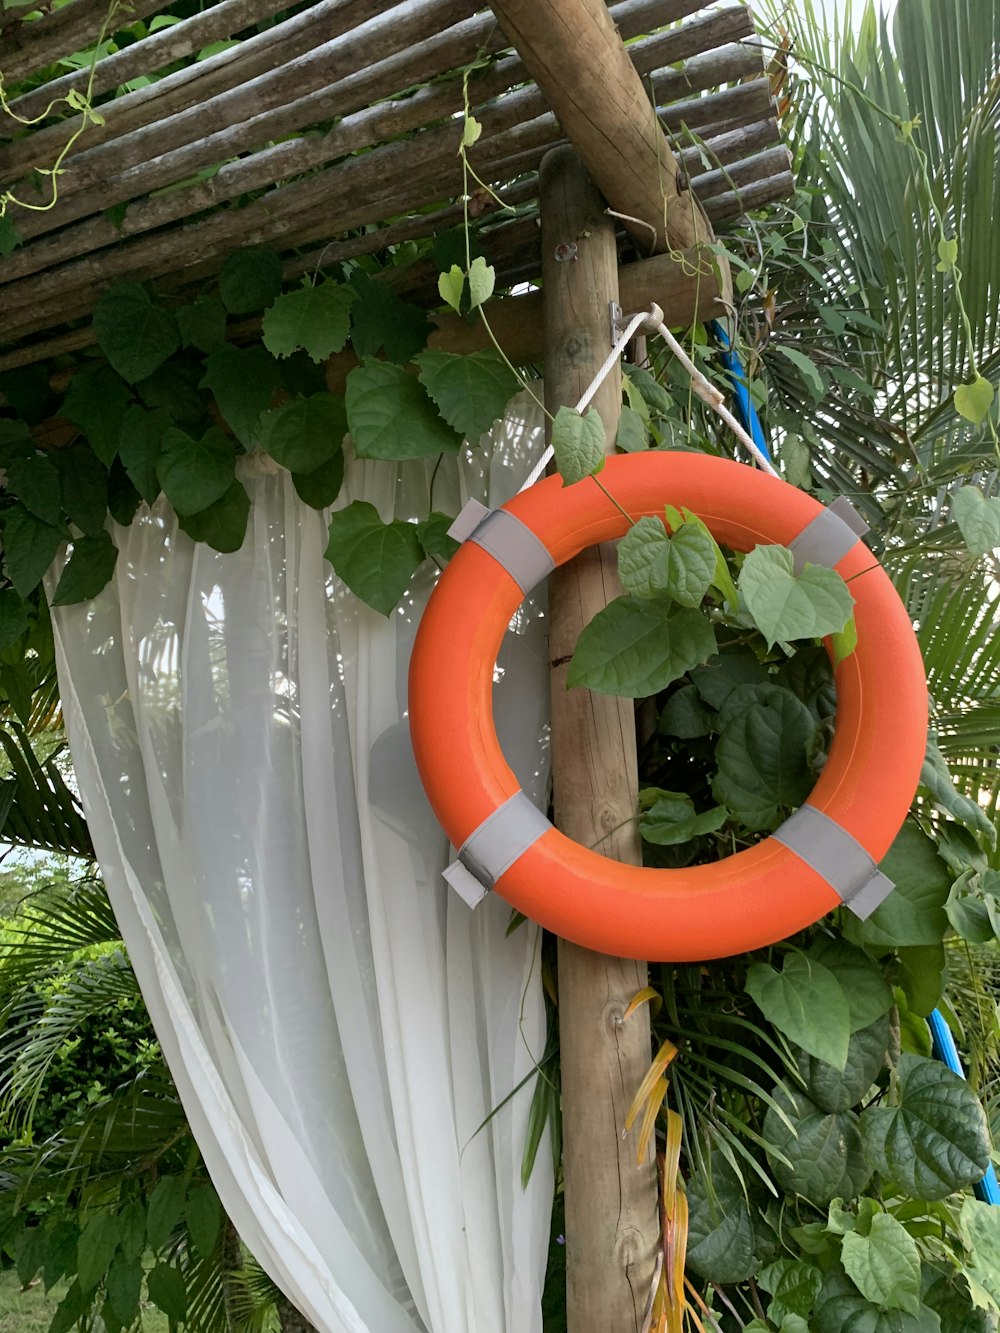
[(389, 74), (316, 55), (734, 203), (29, 46), (731, 146), (726, 65), (745, 171), (612, 1220), (220, 21), (31, 353), (745, 103), (574, 54), (696, 37), (521, 149)]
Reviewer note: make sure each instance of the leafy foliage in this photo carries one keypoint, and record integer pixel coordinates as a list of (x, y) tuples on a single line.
[(376, 560), (822, 1148), (315, 319), (103, 1187)]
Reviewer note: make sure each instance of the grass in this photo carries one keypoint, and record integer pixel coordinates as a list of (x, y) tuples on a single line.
[(28, 1311), (31, 1311)]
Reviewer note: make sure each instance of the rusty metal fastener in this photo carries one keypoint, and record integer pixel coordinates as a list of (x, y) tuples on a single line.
[(564, 252)]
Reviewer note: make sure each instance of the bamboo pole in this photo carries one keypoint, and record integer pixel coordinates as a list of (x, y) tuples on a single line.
[(612, 1223), (730, 146), (705, 33), (747, 102), (574, 54), (527, 144)]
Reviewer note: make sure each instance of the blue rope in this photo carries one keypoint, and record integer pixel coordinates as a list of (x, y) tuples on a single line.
[(744, 409), (942, 1041)]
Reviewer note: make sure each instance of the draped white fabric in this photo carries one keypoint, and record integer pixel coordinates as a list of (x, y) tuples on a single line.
[(337, 1022)]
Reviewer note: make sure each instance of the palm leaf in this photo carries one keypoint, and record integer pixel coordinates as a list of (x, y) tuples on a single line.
[(42, 811)]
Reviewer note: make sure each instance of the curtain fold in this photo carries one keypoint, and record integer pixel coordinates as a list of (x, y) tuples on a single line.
[(338, 1024)]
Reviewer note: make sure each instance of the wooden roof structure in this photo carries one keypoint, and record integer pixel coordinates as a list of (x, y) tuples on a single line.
[(328, 131)]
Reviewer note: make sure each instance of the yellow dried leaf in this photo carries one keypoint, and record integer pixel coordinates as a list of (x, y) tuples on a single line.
[(645, 996), (655, 1071)]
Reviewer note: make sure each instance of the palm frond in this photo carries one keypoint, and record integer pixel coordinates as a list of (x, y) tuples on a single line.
[(53, 924), (42, 811), (867, 113)]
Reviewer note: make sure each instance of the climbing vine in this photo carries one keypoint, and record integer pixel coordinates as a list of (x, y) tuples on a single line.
[(823, 1150)]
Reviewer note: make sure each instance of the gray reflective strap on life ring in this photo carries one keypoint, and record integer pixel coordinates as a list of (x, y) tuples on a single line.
[(509, 541), (494, 846), (829, 536), (838, 857)]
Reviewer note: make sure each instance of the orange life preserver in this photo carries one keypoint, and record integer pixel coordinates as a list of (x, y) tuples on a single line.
[(823, 855)]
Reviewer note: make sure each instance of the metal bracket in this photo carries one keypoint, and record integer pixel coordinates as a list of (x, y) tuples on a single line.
[(619, 321), (615, 321)]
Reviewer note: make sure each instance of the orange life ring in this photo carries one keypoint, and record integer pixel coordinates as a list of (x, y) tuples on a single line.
[(754, 897)]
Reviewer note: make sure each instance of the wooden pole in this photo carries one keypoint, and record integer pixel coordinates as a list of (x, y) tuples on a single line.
[(612, 1223), (573, 52)]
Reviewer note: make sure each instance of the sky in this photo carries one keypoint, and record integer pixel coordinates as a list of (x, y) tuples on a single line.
[(841, 6)]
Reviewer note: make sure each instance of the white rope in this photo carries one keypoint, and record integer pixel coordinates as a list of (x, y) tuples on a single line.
[(602, 374), (706, 391), (709, 394)]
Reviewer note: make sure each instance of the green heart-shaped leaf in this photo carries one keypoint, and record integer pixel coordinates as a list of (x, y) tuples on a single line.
[(786, 605), (376, 560), (978, 519), (812, 1152), (805, 1002), (973, 401), (579, 444), (391, 416), (885, 1264), (470, 392), (935, 1140), (634, 648), (317, 319)]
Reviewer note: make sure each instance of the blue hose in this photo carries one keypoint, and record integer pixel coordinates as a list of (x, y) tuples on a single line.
[(943, 1045), (745, 411)]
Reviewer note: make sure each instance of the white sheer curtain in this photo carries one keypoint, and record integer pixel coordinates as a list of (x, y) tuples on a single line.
[(338, 1024)]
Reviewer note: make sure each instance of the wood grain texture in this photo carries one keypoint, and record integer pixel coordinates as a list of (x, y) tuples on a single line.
[(573, 52), (612, 1223)]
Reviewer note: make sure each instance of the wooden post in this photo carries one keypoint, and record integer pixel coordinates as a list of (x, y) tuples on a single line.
[(572, 50), (612, 1224)]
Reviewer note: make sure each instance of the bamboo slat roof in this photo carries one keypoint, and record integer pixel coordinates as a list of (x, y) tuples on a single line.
[(325, 131)]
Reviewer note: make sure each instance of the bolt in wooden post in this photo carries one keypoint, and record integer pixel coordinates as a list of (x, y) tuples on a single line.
[(612, 1224)]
